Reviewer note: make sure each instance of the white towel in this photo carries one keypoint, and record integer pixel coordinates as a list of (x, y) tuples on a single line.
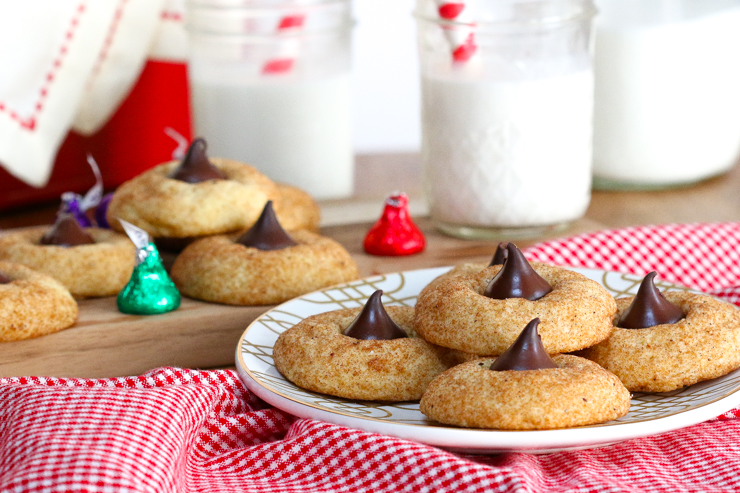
[(64, 64)]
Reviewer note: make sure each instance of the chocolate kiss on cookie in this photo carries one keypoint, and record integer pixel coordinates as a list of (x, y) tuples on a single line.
[(374, 323), (66, 232), (266, 233), (649, 308), (499, 256), (516, 279), (4, 279), (195, 166), (527, 352)]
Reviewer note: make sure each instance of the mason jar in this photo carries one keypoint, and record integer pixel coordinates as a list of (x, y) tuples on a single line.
[(507, 104), (667, 104), (271, 87)]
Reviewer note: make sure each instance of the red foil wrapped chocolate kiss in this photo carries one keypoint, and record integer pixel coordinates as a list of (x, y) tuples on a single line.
[(395, 233)]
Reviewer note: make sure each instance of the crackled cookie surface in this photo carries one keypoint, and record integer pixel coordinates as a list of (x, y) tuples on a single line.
[(220, 270), (296, 209), (170, 208), (97, 269), (704, 344), (32, 304), (454, 312), (578, 392), (316, 355)]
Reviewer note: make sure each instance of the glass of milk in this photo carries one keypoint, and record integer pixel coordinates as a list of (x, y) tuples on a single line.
[(270, 86), (667, 103), (507, 106)]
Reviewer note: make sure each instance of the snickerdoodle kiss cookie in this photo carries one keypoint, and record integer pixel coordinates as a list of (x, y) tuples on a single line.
[(371, 353), (201, 196), (483, 312), (32, 304), (90, 262), (665, 341), (265, 265), (526, 389)]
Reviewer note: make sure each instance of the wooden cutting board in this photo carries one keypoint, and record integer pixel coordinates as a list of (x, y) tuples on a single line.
[(105, 342)]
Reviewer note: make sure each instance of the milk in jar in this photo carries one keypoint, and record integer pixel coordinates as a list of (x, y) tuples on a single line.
[(296, 132), (507, 115), (667, 104), (510, 154), (271, 87)]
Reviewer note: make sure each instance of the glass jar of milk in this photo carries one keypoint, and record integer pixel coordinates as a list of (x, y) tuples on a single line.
[(507, 106), (270, 86), (667, 92)]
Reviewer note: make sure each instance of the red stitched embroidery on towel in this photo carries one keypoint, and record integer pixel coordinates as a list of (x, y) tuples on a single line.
[(109, 37), (171, 16), (30, 122)]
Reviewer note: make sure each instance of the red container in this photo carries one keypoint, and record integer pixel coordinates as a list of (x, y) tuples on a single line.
[(131, 142)]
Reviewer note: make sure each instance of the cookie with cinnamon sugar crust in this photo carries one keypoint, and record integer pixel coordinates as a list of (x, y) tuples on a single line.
[(220, 270), (453, 312), (316, 355), (32, 304), (95, 270), (704, 344), (577, 393)]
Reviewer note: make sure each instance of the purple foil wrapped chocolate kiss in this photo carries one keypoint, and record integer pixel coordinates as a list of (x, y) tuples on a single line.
[(527, 352), (374, 323), (101, 211), (4, 279), (516, 279), (77, 205), (649, 308), (71, 204), (266, 233)]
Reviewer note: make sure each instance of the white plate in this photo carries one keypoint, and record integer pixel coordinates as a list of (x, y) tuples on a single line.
[(649, 414)]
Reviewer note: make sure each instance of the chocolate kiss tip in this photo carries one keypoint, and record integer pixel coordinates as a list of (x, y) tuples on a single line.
[(649, 308), (374, 323), (195, 166), (499, 256), (66, 232), (266, 233), (4, 279), (516, 279), (527, 352)]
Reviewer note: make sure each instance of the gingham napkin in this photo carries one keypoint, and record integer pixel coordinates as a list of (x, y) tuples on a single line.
[(178, 430)]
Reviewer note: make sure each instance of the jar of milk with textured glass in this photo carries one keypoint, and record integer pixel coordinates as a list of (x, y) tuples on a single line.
[(507, 107), (667, 92), (270, 86)]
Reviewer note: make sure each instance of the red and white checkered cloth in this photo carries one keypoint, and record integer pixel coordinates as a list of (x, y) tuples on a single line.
[(178, 430)]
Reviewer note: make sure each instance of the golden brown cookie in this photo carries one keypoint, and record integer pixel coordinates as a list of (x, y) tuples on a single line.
[(99, 269), (703, 345), (220, 270), (452, 312), (165, 207), (296, 209), (577, 393), (315, 355), (32, 304)]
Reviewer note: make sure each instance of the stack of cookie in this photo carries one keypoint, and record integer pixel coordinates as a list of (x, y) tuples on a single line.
[(241, 238), (228, 217), (499, 333)]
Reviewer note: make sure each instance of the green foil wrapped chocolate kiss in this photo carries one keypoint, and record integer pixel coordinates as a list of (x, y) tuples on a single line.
[(150, 290)]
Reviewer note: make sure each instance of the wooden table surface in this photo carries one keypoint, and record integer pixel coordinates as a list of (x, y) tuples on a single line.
[(95, 349)]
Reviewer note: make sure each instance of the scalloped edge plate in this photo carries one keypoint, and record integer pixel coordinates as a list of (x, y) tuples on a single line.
[(650, 414)]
